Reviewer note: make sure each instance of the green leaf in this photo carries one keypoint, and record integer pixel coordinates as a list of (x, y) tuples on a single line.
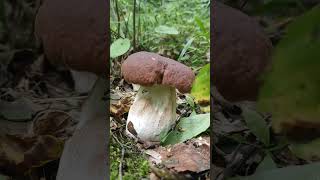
[(190, 100), (309, 151), (201, 26), (257, 125), (307, 172), (166, 30), (291, 90), (188, 128), (119, 47), (201, 87), (266, 164), (185, 48)]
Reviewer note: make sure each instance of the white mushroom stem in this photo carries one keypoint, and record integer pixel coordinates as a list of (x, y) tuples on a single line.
[(153, 113)]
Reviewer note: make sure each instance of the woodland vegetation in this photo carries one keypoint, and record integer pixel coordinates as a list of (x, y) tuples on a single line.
[(273, 136), (178, 30)]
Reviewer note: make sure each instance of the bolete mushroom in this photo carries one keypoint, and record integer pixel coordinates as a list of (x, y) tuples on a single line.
[(74, 34), (241, 53), (153, 112)]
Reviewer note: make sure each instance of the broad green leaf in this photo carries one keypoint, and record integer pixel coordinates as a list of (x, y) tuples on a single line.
[(291, 91), (188, 128), (309, 151), (119, 47), (257, 125), (266, 164), (305, 172), (201, 87), (166, 30)]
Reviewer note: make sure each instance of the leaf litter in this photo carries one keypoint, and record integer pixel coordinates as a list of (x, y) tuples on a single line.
[(188, 155), (39, 109)]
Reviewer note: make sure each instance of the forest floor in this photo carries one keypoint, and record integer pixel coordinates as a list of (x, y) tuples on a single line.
[(40, 108)]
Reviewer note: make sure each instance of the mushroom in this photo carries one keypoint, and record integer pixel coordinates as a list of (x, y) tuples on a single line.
[(241, 53), (153, 112), (74, 35)]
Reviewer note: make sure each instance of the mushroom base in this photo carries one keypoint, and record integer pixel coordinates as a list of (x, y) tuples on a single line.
[(153, 113)]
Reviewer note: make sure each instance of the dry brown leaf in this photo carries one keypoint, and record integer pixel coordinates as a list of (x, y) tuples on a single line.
[(18, 154), (122, 107), (53, 122), (192, 157)]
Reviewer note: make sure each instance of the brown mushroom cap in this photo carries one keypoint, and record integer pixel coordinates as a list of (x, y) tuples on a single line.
[(74, 33), (147, 69), (241, 53)]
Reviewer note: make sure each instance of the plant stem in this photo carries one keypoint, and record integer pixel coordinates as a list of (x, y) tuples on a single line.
[(118, 17), (134, 24), (139, 24)]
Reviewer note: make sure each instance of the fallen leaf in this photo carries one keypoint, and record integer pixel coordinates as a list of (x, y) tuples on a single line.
[(183, 157), (154, 156), (18, 154), (122, 106), (308, 151), (53, 122)]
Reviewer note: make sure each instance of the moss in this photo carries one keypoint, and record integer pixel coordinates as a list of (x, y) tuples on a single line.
[(135, 166)]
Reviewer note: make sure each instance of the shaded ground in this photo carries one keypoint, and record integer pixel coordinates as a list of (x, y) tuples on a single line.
[(39, 107), (133, 160), (241, 146)]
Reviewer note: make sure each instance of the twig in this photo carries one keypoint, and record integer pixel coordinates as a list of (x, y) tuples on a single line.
[(243, 4), (120, 164), (115, 137), (127, 33), (139, 24), (59, 99), (122, 155)]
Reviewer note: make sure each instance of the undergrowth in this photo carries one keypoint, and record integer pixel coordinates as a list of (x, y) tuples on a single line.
[(191, 19), (135, 165)]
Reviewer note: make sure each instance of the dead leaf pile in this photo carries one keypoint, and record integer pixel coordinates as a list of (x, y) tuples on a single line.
[(192, 156), (19, 154), (39, 108)]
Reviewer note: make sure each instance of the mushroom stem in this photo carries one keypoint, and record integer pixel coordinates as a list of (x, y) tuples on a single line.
[(153, 113)]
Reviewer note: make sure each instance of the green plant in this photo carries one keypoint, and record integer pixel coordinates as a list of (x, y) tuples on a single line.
[(133, 164), (178, 29), (291, 94)]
